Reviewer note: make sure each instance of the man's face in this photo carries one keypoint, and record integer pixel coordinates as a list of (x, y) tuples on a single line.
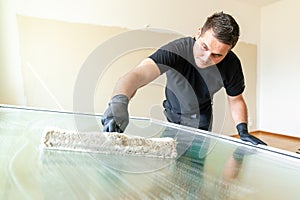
[(208, 50)]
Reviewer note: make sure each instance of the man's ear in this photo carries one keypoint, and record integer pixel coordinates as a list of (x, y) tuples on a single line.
[(198, 33)]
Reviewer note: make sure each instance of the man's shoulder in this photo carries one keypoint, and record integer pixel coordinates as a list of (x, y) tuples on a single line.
[(231, 58), (184, 41), (232, 54), (181, 46)]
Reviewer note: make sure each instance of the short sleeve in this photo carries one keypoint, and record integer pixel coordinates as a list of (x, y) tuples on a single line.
[(173, 54), (233, 76), (164, 59)]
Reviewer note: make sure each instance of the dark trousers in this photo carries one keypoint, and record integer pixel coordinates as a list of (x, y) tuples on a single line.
[(200, 119)]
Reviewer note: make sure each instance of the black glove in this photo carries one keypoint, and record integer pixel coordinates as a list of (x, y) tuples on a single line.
[(116, 117), (245, 136)]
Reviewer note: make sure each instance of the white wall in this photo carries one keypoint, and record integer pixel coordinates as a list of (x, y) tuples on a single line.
[(181, 16), (11, 82), (279, 73)]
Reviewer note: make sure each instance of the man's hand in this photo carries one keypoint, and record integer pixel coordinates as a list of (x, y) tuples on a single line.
[(245, 136), (116, 117)]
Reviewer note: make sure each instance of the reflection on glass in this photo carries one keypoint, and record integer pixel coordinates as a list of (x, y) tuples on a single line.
[(207, 166)]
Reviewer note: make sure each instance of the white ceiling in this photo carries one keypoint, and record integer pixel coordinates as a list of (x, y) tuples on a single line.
[(259, 3)]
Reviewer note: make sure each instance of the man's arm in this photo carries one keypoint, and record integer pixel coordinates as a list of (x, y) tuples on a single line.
[(141, 75), (239, 114), (116, 116), (238, 109)]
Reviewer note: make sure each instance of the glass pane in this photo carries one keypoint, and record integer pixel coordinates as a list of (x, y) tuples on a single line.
[(208, 165)]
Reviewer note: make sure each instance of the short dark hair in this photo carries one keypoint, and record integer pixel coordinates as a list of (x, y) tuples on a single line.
[(224, 26)]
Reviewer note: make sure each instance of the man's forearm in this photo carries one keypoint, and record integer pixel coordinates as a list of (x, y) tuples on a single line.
[(238, 109), (126, 85), (239, 114), (143, 74)]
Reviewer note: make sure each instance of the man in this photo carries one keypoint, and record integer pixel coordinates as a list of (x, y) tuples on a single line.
[(196, 69)]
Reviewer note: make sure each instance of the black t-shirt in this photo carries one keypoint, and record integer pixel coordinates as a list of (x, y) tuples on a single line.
[(189, 88)]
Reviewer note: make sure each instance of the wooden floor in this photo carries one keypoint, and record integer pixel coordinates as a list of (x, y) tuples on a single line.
[(284, 142)]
